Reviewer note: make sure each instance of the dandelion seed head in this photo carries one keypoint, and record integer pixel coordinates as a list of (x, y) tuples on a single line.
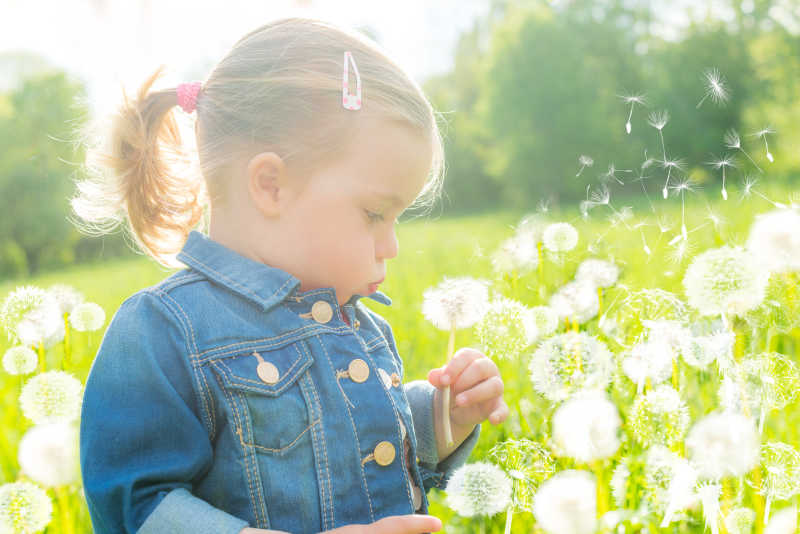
[(517, 253), (586, 427), (67, 297), (87, 317), (658, 119), (774, 240), (528, 463), (783, 522), (24, 507), (770, 381), (725, 280), (648, 359), (50, 397), (576, 300), (567, 503), (505, 330), (30, 308), (601, 273), (554, 365), (479, 488), (48, 454), (456, 302), (700, 351), (723, 444), (659, 416), (560, 237), (661, 466), (780, 479), (545, 320), (20, 360), (740, 521)]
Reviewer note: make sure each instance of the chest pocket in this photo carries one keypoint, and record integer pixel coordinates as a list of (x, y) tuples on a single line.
[(269, 388)]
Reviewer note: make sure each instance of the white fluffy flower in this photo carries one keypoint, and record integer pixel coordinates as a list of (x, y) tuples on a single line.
[(576, 300), (20, 360), (567, 503), (456, 302), (48, 454), (506, 329), (725, 280), (680, 489), (24, 507), (781, 471), (31, 316), (479, 488), (648, 359), (586, 427), (544, 319), (560, 237), (783, 522), (723, 444), (517, 253), (51, 397), (568, 362), (775, 240), (87, 317), (601, 273), (740, 521), (67, 297), (700, 351), (659, 416), (669, 481)]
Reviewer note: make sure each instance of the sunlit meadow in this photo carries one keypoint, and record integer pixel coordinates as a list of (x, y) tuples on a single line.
[(649, 351)]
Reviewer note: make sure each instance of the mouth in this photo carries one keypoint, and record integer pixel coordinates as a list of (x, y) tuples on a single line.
[(373, 287)]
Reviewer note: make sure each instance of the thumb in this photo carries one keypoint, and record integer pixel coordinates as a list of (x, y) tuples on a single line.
[(434, 377)]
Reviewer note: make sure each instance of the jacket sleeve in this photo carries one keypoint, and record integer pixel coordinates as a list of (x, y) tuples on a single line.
[(435, 471), (142, 440)]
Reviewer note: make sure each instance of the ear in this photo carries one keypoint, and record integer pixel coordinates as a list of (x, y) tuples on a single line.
[(267, 180)]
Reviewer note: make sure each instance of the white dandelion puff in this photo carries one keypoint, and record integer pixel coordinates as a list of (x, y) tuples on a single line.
[(569, 362), (20, 360), (780, 474), (716, 87), (651, 359), (87, 317), (586, 427), (732, 140), (700, 351), (585, 161), (661, 486), (774, 240), (599, 272), (723, 444), (567, 503), (740, 521), (576, 300), (48, 454), (769, 381), (659, 416), (560, 237), (505, 330), (545, 320), (456, 302), (24, 507), (479, 488), (32, 316), (783, 522), (528, 464), (680, 492), (51, 397), (516, 254), (725, 280), (67, 297)]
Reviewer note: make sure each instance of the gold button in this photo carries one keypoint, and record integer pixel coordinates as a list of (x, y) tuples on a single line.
[(321, 311), (267, 372), (358, 370), (395, 379), (384, 453)]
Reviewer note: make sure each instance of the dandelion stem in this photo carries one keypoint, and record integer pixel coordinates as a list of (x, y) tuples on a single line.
[(66, 361), (663, 146), (600, 301), (602, 503), (674, 374), (509, 515), (758, 499), (540, 268), (448, 432), (63, 503), (41, 357)]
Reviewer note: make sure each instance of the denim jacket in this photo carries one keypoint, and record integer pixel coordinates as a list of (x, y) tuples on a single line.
[(223, 398)]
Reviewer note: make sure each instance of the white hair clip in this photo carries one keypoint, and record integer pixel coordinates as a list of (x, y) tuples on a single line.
[(349, 101)]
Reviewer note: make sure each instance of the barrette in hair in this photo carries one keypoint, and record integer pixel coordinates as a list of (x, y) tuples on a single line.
[(349, 101)]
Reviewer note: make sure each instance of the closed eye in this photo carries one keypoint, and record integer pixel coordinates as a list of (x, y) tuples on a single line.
[(374, 217)]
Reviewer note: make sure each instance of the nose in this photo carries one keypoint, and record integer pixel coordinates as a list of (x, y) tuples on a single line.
[(387, 246)]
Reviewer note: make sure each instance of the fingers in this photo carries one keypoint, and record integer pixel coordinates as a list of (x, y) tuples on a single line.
[(461, 361), (407, 524), (499, 412), (490, 388), (478, 371)]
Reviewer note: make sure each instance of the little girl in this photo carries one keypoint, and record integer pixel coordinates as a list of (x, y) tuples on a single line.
[(252, 388)]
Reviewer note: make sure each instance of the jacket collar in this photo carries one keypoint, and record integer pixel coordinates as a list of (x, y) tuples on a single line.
[(256, 281)]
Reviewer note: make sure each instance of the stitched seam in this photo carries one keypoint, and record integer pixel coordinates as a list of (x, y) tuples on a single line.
[(266, 343), (233, 283), (261, 385), (358, 446), (209, 413), (324, 449), (239, 426), (179, 280), (287, 447)]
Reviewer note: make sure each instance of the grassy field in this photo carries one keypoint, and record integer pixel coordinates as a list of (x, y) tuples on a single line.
[(429, 250)]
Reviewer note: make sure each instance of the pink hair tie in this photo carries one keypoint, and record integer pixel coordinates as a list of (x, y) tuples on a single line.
[(187, 95)]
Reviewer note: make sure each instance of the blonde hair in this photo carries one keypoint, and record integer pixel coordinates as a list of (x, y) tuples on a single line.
[(278, 89)]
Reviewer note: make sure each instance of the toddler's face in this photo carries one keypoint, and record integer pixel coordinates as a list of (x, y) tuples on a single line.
[(344, 220)]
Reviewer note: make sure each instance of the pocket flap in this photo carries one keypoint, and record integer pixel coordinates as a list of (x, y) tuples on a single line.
[(280, 368)]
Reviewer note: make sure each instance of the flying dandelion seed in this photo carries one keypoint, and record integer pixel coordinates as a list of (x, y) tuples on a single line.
[(612, 174), (763, 133), (748, 188), (678, 165), (681, 187), (585, 161), (659, 119), (732, 140), (632, 100), (721, 163), (716, 87)]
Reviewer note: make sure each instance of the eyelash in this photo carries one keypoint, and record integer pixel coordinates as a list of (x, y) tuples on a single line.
[(374, 217)]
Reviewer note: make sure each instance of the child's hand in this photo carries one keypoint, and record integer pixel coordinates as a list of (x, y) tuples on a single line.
[(475, 378), (396, 524)]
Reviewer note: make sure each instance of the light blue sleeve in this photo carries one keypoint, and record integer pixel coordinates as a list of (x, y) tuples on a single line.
[(142, 437)]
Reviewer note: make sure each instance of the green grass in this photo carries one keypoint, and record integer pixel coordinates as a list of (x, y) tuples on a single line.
[(430, 250)]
